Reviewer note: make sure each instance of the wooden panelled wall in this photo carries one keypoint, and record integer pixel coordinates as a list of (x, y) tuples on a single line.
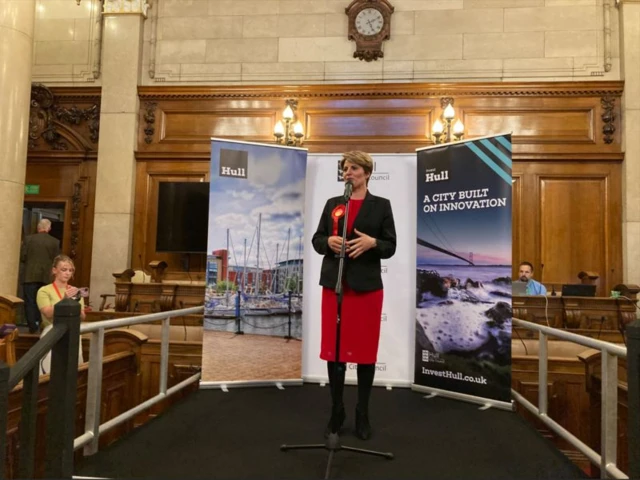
[(567, 152), (64, 129), (567, 155)]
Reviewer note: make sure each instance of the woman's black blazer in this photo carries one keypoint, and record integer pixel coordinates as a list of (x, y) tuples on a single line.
[(361, 274)]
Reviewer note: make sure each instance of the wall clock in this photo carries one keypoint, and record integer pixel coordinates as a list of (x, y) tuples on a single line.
[(369, 26)]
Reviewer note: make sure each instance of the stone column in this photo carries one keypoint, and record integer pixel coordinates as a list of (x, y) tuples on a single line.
[(16, 52), (630, 68), (121, 65)]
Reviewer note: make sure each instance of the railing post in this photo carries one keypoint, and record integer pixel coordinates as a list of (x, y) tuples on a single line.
[(633, 379), (62, 397), (94, 391), (164, 355), (609, 412), (542, 374), (4, 408), (28, 418)]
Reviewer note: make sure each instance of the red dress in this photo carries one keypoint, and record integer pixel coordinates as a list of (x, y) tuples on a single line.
[(360, 320)]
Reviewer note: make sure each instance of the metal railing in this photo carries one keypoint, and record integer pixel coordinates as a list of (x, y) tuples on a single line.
[(93, 428), (606, 460), (63, 341)]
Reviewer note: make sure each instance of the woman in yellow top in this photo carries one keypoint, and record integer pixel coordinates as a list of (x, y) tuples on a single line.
[(62, 272)]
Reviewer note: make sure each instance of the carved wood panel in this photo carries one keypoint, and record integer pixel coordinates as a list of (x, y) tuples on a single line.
[(148, 177), (64, 129), (553, 118), (517, 248), (371, 125), (579, 223), (547, 126), (557, 127), (568, 221), (180, 126), (72, 185), (572, 209)]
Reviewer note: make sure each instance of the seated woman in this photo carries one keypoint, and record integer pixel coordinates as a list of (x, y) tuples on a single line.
[(62, 271)]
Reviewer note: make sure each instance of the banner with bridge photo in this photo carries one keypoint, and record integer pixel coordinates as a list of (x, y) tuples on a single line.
[(253, 299), (392, 178), (463, 274)]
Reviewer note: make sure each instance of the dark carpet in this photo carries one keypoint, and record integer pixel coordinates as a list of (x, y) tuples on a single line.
[(237, 435)]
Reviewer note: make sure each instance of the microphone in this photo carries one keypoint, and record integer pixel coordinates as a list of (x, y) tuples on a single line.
[(348, 190)]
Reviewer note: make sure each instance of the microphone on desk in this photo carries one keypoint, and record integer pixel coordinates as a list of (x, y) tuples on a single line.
[(348, 190)]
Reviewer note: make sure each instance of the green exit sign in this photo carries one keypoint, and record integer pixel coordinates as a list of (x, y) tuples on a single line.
[(32, 189)]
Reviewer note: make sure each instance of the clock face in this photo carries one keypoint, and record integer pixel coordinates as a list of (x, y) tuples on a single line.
[(369, 21)]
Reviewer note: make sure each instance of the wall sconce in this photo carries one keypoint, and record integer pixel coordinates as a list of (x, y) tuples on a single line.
[(290, 132), (442, 129)]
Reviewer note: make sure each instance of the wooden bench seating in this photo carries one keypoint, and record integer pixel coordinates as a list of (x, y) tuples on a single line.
[(568, 399), (118, 395), (131, 371), (593, 375), (185, 359), (8, 348)]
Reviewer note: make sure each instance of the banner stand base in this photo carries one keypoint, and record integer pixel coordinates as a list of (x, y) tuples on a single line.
[(485, 402), (224, 386)]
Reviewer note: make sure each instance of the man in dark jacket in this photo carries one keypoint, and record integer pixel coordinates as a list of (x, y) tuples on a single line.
[(37, 253)]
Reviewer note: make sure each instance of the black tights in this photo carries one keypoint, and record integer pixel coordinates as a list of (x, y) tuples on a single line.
[(366, 372)]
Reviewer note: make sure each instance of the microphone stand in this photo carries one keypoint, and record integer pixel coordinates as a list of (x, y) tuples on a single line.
[(332, 444)]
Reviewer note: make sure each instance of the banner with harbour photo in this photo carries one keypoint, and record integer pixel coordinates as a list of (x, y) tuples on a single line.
[(392, 178), (252, 331), (463, 274)]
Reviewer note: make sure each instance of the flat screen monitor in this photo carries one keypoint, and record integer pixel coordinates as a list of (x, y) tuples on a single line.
[(183, 217), (578, 290), (518, 288)]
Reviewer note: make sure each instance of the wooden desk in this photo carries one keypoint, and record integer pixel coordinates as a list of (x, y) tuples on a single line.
[(597, 317), (539, 309), (157, 295)]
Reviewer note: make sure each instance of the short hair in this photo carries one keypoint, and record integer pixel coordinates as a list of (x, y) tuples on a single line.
[(528, 264), (359, 158), (44, 225)]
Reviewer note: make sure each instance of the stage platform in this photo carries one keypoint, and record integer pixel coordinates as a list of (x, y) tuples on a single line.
[(237, 435)]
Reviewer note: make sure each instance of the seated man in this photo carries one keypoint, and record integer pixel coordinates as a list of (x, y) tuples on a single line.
[(525, 274)]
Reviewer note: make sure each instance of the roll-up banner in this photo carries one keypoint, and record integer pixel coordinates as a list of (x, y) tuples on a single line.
[(393, 178), (463, 271), (252, 331)]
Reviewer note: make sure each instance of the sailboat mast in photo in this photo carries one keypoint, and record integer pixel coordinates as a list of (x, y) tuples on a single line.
[(257, 288)]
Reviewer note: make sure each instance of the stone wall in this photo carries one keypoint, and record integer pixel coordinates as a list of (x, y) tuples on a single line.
[(305, 41)]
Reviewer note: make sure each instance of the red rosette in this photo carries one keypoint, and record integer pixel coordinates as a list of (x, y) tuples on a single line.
[(336, 215)]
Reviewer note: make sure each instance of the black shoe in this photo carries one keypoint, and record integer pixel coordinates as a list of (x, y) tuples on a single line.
[(363, 427), (340, 416)]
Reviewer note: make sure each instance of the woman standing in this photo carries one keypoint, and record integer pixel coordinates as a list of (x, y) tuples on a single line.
[(371, 236), (62, 272)]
